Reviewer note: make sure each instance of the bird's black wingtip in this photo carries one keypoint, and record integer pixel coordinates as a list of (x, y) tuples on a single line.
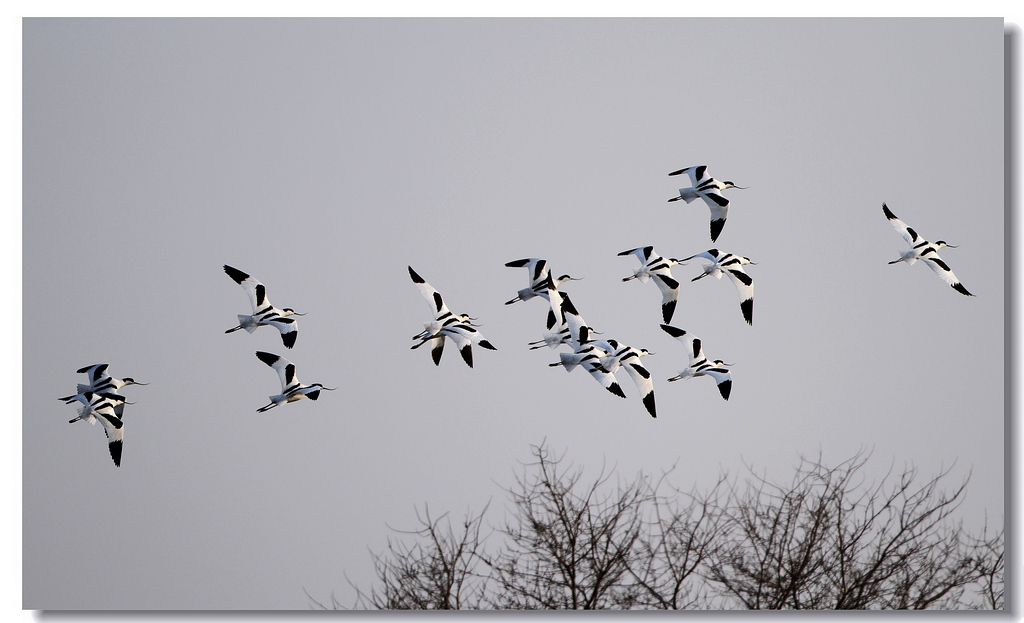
[(716, 228), (747, 307), (267, 358), (667, 310), (959, 287), (673, 331), (235, 274), (115, 452), (467, 354), (725, 387), (615, 389), (649, 403)]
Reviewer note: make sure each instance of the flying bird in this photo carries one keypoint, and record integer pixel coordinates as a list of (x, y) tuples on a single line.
[(538, 272), (921, 249), (557, 329), (699, 364), (585, 353), (731, 266), (291, 388), (263, 313), (710, 190), (653, 266), (103, 408), (457, 327), (100, 381), (622, 357)]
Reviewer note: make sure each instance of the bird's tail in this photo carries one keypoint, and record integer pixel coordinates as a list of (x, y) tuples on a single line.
[(566, 360), (84, 414), (686, 195)]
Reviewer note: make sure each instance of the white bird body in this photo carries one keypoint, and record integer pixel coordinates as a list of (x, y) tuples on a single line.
[(263, 313), (710, 190), (291, 389), (699, 364), (457, 327), (921, 249), (658, 268), (731, 266)]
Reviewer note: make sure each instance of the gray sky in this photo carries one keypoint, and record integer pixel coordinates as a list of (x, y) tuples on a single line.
[(324, 156)]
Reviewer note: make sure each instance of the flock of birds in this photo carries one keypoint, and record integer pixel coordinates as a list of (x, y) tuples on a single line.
[(602, 358)]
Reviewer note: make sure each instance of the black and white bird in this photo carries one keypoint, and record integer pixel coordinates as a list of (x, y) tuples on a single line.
[(658, 268), (538, 274), (457, 327), (710, 190), (104, 409), (585, 353), (699, 364), (100, 381), (731, 266), (622, 357), (291, 388), (928, 252), (263, 313), (557, 330)]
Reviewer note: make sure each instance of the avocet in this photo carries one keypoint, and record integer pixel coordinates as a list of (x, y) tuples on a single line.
[(653, 266), (699, 364), (710, 190), (291, 389), (921, 249), (457, 327), (538, 273), (263, 313), (731, 266)]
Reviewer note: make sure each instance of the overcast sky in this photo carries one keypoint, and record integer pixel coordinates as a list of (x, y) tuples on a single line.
[(324, 156)]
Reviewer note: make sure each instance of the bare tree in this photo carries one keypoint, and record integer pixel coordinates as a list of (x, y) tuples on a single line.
[(569, 546), (683, 532), (436, 572), (826, 539)]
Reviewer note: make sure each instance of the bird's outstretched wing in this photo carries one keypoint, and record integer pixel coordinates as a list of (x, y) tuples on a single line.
[(255, 290), (433, 297), (940, 268), (691, 341), (908, 233), (285, 369)]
